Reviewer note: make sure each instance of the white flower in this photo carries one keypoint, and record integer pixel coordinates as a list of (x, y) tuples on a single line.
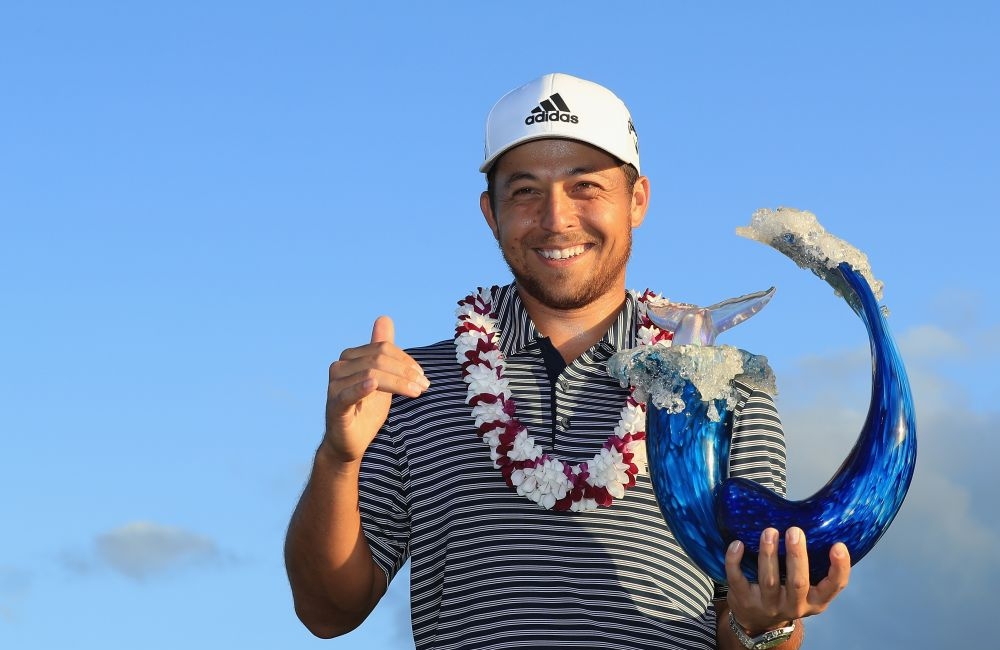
[(551, 478), (484, 380), (544, 484), (484, 412), (524, 447), (481, 320), (492, 357), (583, 505), (644, 335), (609, 470), (527, 486), (632, 419), (467, 342)]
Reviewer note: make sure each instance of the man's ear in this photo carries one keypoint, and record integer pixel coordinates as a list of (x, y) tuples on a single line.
[(487, 208), (640, 201)]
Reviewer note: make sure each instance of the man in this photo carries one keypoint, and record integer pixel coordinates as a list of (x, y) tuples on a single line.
[(416, 464)]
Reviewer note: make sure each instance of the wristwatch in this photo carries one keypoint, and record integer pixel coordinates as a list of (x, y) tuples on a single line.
[(768, 639)]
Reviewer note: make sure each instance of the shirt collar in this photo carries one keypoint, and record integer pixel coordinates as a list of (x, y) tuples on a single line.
[(518, 331)]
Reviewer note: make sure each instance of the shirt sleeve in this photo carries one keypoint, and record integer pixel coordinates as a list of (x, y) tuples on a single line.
[(383, 504), (757, 451)]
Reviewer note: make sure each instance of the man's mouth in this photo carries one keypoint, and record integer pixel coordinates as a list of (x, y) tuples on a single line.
[(562, 253)]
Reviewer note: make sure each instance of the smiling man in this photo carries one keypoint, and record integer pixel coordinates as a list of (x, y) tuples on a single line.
[(502, 462)]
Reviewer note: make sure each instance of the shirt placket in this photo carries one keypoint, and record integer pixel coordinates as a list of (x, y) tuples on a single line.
[(561, 416)]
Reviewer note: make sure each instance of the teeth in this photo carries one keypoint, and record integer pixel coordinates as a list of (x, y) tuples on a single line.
[(562, 253)]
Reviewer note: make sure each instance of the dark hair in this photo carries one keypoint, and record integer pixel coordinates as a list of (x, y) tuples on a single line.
[(631, 176)]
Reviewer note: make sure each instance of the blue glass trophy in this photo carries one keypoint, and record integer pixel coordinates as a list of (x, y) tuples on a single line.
[(688, 427)]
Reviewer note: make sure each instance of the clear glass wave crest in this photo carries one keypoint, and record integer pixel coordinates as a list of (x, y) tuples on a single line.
[(689, 458)]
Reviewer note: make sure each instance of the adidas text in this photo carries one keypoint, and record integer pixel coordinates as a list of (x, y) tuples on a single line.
[(551, 116)]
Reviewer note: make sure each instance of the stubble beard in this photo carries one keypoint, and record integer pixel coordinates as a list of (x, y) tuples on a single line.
[(559, 295)]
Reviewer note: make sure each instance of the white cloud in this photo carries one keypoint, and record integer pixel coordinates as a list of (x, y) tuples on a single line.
[(938, 561), (76, 562), (929, 342), (141, 549), (14, 587)]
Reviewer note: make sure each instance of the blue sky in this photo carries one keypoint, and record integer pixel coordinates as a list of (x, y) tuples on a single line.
[(202, 204)]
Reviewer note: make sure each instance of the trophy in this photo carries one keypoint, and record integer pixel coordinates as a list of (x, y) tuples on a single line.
[(688, 386)]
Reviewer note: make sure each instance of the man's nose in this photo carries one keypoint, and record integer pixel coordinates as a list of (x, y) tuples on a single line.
[(558, 212)]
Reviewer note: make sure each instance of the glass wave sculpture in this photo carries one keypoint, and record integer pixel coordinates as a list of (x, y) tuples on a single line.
[(689, 458)]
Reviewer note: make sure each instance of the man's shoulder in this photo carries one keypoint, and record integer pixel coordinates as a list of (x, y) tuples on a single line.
[(432, 348), (434, 354)]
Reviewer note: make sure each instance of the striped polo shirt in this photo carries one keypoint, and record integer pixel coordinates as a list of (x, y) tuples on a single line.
[(492, 570)]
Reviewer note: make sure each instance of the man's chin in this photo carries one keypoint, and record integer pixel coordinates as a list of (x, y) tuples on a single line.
[(564, 299)]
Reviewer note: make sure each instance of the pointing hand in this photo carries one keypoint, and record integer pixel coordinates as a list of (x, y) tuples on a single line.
[(361, 386)]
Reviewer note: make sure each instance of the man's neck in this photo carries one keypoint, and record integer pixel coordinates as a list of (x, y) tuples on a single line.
[(574, 331)]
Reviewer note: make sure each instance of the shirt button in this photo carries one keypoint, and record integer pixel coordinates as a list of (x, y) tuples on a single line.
[(564, 423)]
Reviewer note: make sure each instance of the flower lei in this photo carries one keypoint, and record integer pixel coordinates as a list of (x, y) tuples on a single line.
[(546, 480)]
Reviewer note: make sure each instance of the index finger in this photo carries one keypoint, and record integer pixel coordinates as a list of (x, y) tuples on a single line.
[(385, 361)]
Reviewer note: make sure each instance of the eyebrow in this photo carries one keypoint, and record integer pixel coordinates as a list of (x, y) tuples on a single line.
[(517, 176)]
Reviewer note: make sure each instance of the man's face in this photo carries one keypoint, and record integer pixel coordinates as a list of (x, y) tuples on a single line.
[(564, 218)]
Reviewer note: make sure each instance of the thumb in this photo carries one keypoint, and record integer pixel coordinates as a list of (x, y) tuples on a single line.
[(383, 330)]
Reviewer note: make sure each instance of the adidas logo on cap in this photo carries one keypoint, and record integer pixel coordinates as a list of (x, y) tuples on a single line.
[(553, 109)]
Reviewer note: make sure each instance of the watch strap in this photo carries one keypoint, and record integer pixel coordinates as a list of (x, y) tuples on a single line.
[(769, 639)]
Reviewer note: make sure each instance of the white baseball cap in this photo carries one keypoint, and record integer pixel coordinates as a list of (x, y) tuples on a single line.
[(561, 106)]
